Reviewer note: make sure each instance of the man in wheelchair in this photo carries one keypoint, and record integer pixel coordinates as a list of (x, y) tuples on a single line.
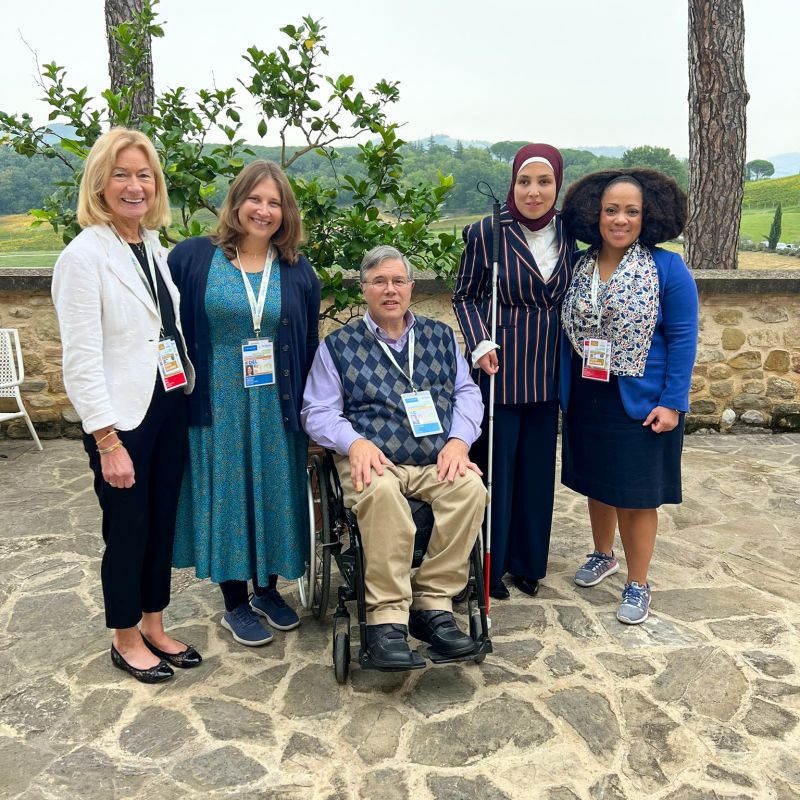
[(392, 396)]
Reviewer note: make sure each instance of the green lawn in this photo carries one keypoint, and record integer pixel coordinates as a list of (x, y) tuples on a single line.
[(757, 222)]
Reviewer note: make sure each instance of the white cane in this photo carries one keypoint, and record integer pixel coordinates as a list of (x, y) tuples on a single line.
[(487, 545)]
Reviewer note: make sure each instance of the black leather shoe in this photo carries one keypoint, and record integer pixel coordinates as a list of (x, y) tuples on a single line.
[(440, 630), (388, 648), (160, 672), (499, 591), (185, 659), (528, 585)]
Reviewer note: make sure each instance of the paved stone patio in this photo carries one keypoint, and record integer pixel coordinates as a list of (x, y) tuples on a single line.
[(702, 701)]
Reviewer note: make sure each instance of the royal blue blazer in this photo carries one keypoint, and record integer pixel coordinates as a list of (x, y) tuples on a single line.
[(528, 325), (668, 369)]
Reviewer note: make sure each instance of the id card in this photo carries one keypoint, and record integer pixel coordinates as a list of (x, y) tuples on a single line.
[(596, 359), (421, 413), (170, 367), (258, 363)]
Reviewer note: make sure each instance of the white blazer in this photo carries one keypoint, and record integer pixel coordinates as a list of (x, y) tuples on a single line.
[(110, 328)]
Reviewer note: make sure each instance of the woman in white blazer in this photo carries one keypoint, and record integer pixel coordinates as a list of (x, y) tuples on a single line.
[(126, 372)]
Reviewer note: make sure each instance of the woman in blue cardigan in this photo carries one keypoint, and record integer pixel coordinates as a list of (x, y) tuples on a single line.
[(630, 321), (250, 309)]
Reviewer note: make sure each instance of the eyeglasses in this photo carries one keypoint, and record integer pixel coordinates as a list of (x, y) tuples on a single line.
[(382, 283)]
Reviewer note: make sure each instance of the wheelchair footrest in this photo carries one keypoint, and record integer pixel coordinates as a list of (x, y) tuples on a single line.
[(481, 648), (367, 663)]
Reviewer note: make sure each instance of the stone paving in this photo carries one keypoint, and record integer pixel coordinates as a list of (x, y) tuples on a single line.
[(702, 701)]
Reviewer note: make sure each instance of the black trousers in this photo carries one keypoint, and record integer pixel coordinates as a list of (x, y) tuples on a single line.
[(139, 523), (523, 484)]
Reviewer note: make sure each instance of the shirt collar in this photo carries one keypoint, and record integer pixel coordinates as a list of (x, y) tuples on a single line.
[(381, 334)]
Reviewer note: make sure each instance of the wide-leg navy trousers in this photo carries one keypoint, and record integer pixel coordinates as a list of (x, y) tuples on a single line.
[(523, 483)]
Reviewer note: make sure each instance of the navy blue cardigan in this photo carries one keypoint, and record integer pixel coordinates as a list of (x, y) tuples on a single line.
[(298, 335)]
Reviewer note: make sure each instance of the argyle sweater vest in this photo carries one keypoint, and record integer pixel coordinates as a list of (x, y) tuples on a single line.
[(373, 385)]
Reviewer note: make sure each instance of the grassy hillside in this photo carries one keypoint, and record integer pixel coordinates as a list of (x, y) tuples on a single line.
[(769, 193)]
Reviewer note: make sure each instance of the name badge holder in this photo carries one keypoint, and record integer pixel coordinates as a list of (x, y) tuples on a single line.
[(170, 366), (596, 352), (419, 406), (258, 354)]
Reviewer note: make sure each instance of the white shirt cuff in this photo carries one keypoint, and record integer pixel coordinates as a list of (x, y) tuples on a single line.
[(484, 347)]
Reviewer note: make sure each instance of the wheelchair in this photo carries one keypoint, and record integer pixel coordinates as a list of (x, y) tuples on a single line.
[(334, 535)]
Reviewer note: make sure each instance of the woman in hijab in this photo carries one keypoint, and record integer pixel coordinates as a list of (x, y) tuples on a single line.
[(534, 272), (630, 319)]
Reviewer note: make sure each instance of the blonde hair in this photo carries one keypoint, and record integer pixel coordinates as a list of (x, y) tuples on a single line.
[(229, 230), (92, 208)]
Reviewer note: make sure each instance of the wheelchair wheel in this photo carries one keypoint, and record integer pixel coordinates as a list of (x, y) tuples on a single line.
[(341, 656), (315, 586)]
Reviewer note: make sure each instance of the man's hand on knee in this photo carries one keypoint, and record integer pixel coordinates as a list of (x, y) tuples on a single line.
[(454, 460), (364, 457)]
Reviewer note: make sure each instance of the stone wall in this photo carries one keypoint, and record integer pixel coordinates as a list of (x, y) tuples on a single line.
[(747, 374), (25, 304)]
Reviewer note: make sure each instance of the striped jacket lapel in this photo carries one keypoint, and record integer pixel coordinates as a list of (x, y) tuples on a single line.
[(562, 273)]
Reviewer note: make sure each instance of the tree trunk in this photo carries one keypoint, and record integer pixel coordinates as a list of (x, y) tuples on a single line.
[(117, 12), (717, 132)]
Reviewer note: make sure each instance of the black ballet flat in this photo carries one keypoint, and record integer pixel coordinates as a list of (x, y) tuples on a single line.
[(499, 591), (186, 659), (157, 674), (529, 586)]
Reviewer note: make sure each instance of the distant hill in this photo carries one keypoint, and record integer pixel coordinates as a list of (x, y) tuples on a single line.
[(612, 152), (771, 192), (60, 130), (785, 164), (449, 141)]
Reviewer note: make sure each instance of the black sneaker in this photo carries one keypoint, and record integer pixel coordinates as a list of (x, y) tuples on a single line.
[(440, 630), (387, 648)]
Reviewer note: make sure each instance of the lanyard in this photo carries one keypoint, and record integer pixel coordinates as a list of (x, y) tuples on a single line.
[(409, 376), (151, 290), (596, 292), (257, 306)]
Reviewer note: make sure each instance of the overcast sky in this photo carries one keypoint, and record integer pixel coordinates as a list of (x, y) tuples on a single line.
[(570, 72)]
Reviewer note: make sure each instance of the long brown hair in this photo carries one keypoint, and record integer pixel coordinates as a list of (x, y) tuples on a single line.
[(229, 231)]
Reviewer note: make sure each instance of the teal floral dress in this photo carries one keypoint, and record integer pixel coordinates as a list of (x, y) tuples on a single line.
[(242, 512)]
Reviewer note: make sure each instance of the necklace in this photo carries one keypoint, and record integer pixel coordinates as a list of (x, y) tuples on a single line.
[(139, 248)]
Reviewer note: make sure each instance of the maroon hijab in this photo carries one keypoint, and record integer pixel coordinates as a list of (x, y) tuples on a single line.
[(556, 162)]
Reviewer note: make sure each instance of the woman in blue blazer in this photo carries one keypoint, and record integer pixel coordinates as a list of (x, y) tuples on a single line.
[(630, 322), (534, 273)]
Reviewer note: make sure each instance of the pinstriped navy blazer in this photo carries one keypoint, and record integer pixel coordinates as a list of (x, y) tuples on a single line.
[(528, 325)]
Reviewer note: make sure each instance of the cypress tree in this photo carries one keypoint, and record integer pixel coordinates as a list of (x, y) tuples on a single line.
[(775, 230)]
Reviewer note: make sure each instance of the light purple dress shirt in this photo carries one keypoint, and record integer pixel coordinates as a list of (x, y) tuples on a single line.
[(323, 398)]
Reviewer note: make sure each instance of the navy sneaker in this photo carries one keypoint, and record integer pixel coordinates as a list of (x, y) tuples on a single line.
[(275, 610), (245, 627)]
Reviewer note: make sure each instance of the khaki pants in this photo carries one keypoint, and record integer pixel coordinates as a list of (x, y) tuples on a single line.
[(387, 533)]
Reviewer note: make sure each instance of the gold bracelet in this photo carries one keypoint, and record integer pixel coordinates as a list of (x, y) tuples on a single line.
[(111, 449), (103, 438)]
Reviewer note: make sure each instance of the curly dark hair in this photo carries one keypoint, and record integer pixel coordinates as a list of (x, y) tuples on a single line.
[(663, 205)]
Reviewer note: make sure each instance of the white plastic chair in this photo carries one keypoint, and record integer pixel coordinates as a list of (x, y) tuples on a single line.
[(12, 374)]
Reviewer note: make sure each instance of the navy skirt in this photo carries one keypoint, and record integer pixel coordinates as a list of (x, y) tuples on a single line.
[(612, 458)]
